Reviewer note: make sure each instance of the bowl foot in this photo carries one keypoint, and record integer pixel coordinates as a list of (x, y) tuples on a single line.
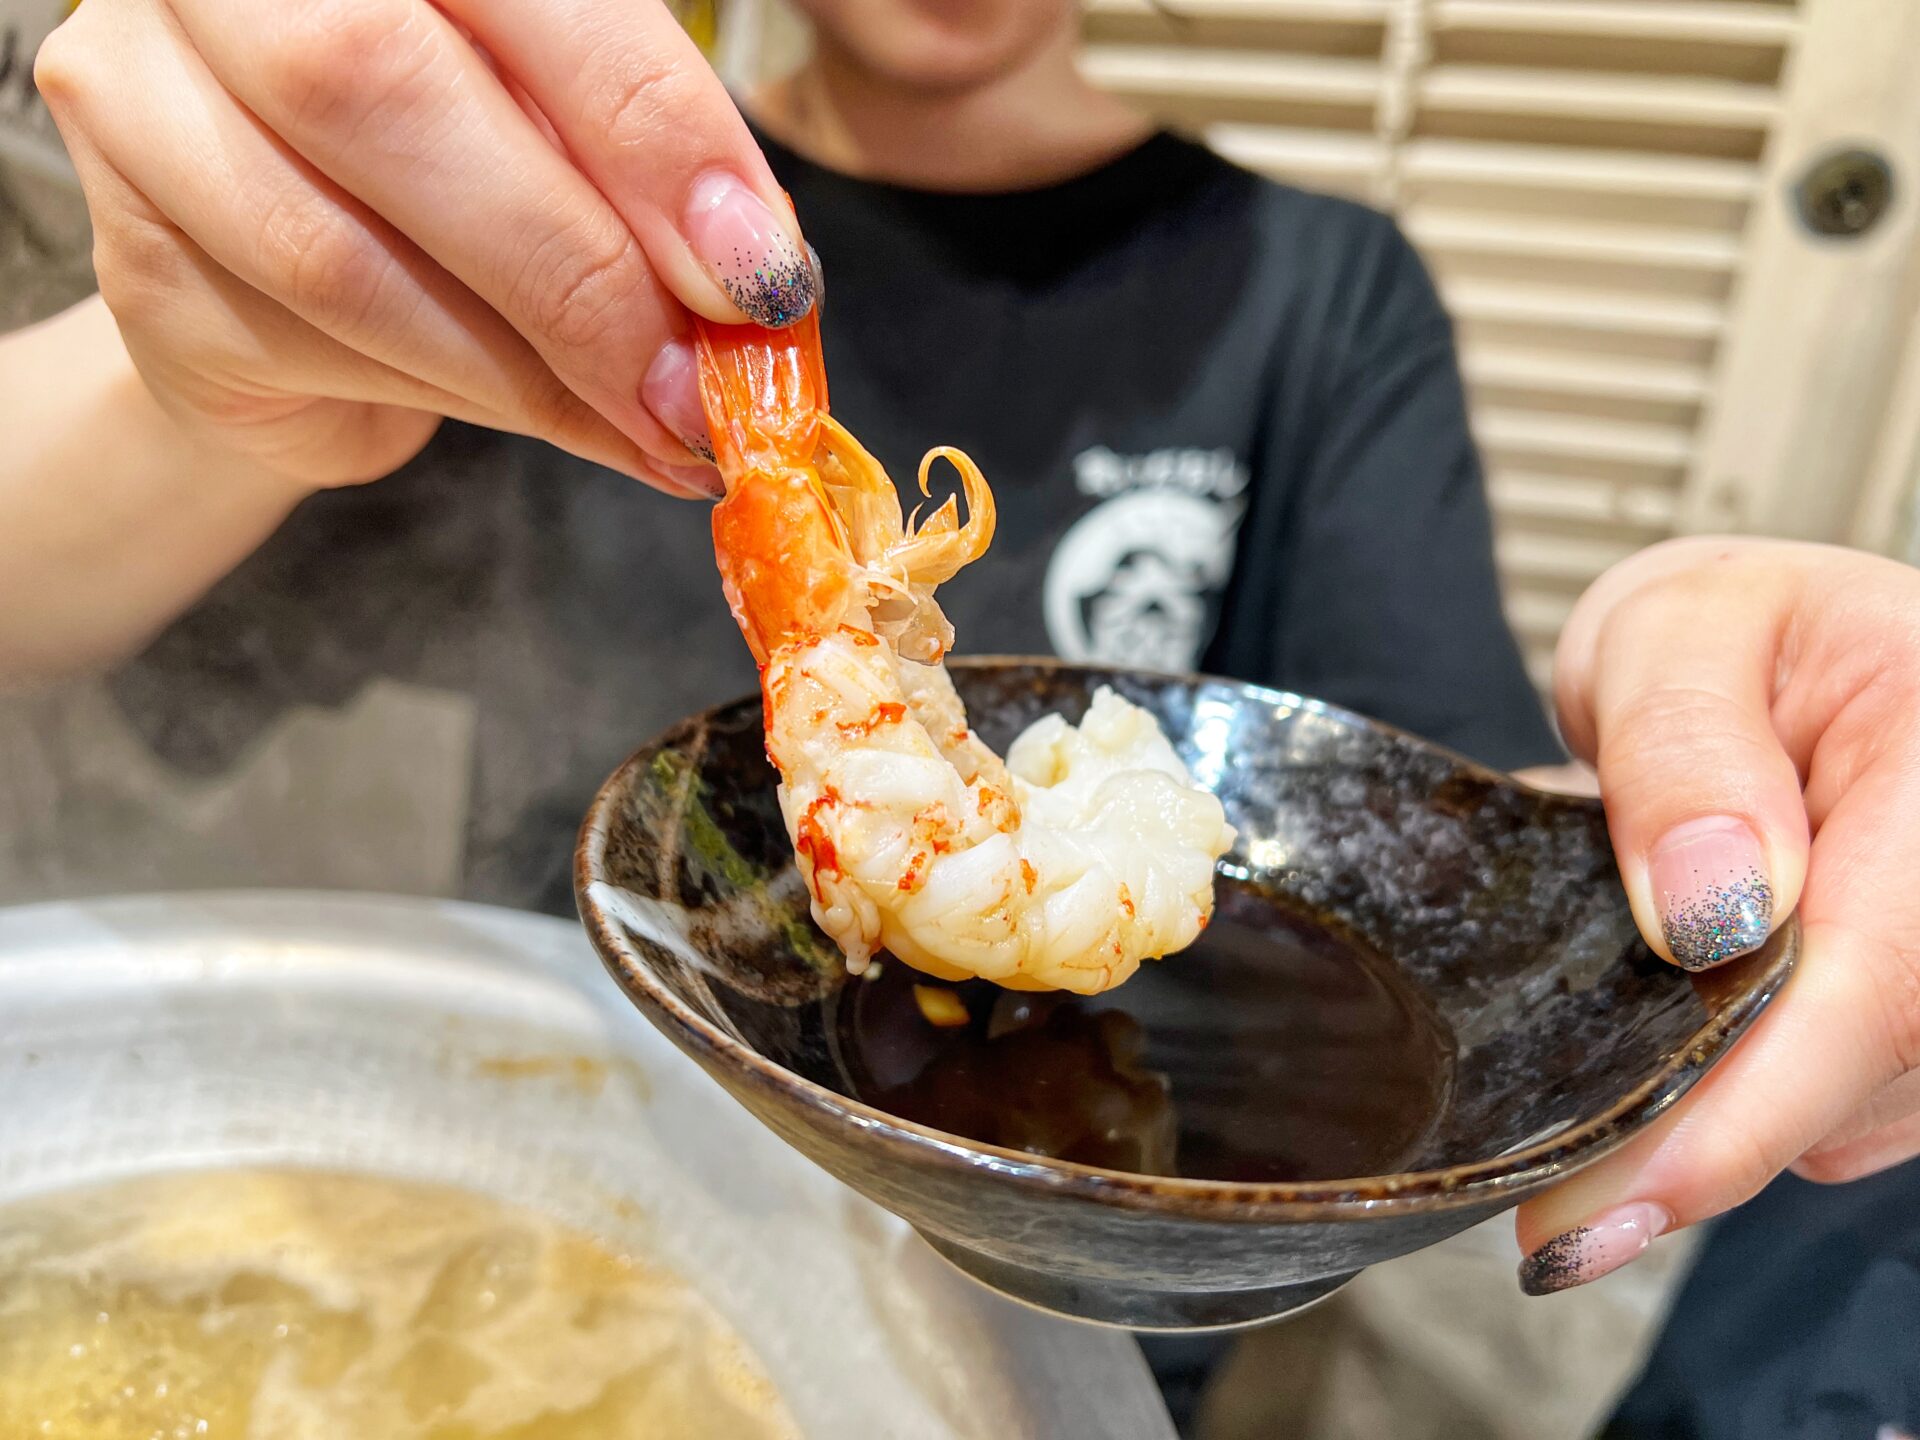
[(1135, 1307)]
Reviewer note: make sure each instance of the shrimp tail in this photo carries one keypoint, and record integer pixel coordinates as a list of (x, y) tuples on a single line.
[(785, 562), (765, 395)]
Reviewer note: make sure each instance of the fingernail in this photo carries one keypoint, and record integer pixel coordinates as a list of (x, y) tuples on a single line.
[(697, 482), (819, 279), (742, 242), (1710, 884), (1589, 1251), (671, 390)]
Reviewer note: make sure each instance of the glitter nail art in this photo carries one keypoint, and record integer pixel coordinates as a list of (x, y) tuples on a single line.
[(1720, 921), (671, 390), (772, 289), (1711, 888), (760, 264), (1555, 1265), (1587, 1252)]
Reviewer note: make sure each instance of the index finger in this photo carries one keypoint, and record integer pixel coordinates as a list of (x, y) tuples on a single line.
[(646, 119), (380, 112)]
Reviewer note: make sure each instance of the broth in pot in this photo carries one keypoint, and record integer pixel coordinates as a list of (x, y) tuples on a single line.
[(287, 1305)]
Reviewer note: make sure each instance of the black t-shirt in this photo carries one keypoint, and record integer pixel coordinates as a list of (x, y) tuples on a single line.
[(1222, 419), (1799, 1321), (1223, 424)]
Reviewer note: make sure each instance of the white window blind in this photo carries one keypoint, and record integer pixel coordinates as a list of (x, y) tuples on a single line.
[(1579, 175)]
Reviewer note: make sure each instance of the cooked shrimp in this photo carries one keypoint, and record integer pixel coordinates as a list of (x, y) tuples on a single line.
[(1084, 853)]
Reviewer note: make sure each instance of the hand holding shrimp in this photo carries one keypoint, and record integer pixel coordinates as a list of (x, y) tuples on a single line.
[(1084, 853)]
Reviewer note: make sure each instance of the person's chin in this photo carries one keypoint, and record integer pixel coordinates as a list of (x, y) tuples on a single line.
[(940, 63)]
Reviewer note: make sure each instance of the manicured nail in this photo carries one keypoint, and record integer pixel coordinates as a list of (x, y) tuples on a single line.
[(1710, 883), (1589, 1251), (696, 482), (819, 279), (742, 242), (671, 390)]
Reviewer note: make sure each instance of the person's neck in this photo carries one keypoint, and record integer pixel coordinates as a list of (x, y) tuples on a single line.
[(1039, 124)]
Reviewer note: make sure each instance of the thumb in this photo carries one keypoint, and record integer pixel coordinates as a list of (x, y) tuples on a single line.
[(1668, 689), (1665, 679)]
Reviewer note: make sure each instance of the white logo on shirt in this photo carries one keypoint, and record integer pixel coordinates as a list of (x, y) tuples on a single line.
[(1128, 584)]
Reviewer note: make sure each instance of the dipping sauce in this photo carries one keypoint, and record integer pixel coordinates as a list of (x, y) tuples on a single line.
[(1276, 1048), (249, 1305)]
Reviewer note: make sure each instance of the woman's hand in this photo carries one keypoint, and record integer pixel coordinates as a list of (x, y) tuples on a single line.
[(1753, 708), (323, 224)]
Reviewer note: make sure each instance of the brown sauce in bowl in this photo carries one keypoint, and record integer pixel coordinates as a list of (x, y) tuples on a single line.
[(1276, 1048)]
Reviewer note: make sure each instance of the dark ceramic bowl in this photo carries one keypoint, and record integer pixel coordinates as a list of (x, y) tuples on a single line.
[(1423, 1000)]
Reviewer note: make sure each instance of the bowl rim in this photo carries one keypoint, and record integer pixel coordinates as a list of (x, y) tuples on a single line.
[(1449, 1187)]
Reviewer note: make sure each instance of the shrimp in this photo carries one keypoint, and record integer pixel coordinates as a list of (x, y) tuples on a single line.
[(1086, 851)]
